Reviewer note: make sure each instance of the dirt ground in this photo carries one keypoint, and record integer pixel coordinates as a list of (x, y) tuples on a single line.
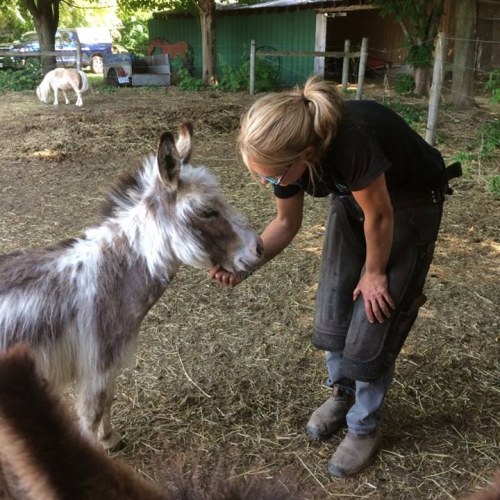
[(229, 377)]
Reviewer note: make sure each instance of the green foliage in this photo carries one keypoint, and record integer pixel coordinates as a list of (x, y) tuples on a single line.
[(414, 114), (404, 84), (420, 20), (466, 158), (233, 79), (485, 146), (420, 55), (489, 138), (134, 35), (14, 19), (493, 85), (495, 184), (16, 80), (188, 82), (238, 78)]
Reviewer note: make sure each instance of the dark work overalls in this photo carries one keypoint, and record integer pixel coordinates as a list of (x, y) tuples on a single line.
[(360, 355)]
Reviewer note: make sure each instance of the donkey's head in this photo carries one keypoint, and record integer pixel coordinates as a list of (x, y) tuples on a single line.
[(203, 229)]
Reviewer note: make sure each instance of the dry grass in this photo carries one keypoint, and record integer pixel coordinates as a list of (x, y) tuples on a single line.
[(229, 376)]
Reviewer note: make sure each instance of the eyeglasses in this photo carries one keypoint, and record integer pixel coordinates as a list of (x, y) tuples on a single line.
[(275, 181)]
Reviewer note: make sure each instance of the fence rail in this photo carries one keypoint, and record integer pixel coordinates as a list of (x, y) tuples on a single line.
[(346, 55), (46, 53)]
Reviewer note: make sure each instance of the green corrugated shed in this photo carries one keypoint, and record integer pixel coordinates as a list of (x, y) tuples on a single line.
[(283, 30)]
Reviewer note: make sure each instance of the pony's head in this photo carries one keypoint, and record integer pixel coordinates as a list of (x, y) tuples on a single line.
[(42, 91)]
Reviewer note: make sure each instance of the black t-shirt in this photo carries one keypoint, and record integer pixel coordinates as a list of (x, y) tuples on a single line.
[(372, 140)]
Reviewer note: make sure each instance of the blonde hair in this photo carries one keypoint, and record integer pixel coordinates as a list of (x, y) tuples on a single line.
[(278, 127)]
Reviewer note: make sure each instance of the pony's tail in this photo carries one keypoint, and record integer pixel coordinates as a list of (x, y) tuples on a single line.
[(85, 84)]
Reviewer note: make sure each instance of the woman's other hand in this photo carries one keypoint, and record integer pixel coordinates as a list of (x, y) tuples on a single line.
[(223, 277)]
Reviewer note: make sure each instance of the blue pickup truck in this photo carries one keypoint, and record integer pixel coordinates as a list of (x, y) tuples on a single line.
[(94, 43)]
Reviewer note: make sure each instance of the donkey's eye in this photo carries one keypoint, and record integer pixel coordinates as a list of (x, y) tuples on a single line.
[(206, 214)]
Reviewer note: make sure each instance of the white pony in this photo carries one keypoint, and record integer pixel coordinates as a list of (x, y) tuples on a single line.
[(63, 79)]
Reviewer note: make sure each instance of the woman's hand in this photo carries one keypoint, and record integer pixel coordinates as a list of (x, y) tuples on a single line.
[(378, 301), (223, 277)]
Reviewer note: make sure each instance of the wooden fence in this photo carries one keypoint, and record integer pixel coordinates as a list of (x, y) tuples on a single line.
[(346, 55), (77, 53)]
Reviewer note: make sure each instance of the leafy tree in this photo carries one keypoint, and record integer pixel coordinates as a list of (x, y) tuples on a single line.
[(44, 16), (204, 8), (419, 20), (14, 19)]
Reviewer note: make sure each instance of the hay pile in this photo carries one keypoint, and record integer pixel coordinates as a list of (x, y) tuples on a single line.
[(228, 376)]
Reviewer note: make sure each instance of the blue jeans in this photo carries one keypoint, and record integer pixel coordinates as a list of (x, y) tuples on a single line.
[(366, 413)]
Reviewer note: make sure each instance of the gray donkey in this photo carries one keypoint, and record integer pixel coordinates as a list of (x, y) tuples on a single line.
[(79, 304)]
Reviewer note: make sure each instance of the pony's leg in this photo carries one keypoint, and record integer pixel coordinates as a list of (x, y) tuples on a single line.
[(56, 102), (94, 398), (65, 96), (79, 101)]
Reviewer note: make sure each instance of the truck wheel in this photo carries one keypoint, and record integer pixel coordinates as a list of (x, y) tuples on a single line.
[(96, 64), (112, 78)]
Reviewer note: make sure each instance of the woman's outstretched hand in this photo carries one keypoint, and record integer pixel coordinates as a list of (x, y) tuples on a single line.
[(223, 277)]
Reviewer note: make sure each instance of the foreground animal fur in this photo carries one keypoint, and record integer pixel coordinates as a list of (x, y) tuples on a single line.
[(80, 304), (63, 79), (44, 457)]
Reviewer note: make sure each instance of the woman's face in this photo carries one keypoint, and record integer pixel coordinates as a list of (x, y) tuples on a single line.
[(284, 177)]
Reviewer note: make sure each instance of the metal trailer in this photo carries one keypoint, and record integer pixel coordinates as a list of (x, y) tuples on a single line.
[(127, 69)]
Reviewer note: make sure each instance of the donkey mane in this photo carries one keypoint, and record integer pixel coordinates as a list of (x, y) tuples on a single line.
[(142, 181)]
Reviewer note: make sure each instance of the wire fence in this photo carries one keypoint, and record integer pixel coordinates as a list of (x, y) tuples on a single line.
[(334, 65), (355, 67)]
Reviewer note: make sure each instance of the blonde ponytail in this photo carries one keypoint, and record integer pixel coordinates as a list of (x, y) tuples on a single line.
[(278, 127)]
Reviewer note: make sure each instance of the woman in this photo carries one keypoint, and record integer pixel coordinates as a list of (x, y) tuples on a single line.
[(387, 186)]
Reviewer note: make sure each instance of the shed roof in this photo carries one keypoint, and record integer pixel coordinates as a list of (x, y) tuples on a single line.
[(271, 5), (278, 4)]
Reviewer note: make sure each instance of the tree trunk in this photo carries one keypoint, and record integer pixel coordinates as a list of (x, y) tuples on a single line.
[(462, 87), (422, 80), (208, 35), (46, 19)]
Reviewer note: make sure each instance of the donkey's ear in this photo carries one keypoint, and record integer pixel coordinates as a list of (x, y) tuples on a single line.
[(168, 159), (185, 141)]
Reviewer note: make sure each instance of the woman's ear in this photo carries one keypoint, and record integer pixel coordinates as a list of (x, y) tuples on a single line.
[(310, 153)]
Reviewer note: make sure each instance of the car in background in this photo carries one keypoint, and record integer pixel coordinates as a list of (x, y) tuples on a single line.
[(94, 44)]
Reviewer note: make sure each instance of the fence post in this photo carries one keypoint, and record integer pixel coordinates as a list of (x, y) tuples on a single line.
[(437, 80), (362, 67), (345, 66), (78, 56), (252, 67)]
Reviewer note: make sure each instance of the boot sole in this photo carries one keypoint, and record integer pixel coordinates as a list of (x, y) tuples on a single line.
[(322, 436)]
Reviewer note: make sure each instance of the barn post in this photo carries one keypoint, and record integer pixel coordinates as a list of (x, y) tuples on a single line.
[(362, 67), (435, 94), (345, 66), (252, 67), (320, 43)]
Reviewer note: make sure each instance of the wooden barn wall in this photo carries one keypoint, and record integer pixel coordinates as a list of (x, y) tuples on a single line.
[(488, 34), (385, 38), (289, 30)]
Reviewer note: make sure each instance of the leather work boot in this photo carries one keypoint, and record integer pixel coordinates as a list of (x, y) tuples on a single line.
[(354, 453), (330, 416)]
